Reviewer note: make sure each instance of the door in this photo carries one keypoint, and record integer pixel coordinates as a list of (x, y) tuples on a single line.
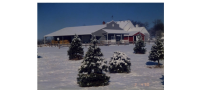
[(118, 37), (134, 38)]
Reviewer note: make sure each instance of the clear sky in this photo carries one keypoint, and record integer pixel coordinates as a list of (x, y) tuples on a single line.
[(55, 16)]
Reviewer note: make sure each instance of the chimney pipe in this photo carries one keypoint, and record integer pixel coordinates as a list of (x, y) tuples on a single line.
[(104, 23), (136, 25)]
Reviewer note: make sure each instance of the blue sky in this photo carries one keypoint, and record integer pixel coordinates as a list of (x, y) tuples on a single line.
[(55, 16)]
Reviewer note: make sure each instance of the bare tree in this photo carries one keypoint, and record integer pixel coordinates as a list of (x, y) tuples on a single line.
[(146, 24), (159, 34), (157, 29), (40, 41)]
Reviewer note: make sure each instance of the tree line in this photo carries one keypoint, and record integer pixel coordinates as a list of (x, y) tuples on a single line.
[(157, 30), (41, 41)]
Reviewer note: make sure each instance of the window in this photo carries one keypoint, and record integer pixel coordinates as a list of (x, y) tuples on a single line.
[(113, 25), (112, 37)]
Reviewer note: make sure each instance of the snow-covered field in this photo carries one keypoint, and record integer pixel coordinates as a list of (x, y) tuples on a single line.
[(56, 72)]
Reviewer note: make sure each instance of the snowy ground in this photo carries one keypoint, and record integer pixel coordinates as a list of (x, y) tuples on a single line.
[(56, 72)]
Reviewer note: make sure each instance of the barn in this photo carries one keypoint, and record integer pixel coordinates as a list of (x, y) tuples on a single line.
[(113, 31), (132, 37)]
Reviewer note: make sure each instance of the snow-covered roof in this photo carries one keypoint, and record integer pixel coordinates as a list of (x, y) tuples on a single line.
[(85, 30), (116, 31), (136, 29), (131, 33), (128, 26), (81, 30)]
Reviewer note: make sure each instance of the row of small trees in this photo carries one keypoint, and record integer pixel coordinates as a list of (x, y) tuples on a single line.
[(157, 50), (93, 64), (91, 72)]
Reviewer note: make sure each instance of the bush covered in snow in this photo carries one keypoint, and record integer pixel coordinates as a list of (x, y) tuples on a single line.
[(139, 46), (75, 50), (119, 63), (157, 51), (91, 71)]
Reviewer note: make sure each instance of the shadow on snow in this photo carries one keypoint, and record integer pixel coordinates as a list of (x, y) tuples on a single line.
[(162, 78), (39, 57), (152, 63)]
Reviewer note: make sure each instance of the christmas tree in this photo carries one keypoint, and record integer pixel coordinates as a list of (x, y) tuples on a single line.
[(139, 45), (157, 51), (119, 63), (91, 71), (75, 51)]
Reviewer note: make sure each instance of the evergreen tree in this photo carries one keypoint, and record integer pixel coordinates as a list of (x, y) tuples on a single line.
[(75, 50), (119, 63), (157, 51), (139, 45), (91, 71)]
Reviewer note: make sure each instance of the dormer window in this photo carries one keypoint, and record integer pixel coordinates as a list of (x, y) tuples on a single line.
[(113, 25)]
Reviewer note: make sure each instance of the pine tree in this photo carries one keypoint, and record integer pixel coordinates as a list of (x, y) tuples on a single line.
[(119, 63), (75, 50), (91, 71), (139, 45), (157, 51)]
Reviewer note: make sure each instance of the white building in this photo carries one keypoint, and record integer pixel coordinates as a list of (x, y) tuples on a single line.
[(110, 31)]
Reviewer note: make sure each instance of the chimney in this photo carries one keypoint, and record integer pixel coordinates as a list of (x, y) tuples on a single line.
[(104, 23), (136, 25)]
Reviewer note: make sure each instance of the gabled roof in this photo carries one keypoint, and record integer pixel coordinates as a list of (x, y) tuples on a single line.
[(126, 24), (139, 33), (81, 30), (131, 33), (110, 22), (136, 29)]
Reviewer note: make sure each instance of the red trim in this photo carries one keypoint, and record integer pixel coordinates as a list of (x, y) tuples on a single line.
[(130, 38), (141, 34), (138, 33)]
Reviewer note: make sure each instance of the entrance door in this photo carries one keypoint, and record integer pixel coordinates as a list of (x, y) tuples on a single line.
[(118, 37), (134, 38)]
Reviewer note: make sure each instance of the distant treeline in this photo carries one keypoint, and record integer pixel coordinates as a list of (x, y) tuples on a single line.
[(41, 41), (156, 30)]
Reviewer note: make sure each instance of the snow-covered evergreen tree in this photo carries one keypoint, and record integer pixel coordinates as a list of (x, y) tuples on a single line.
[(157, 51), (91, 71), (119, 63), (139, 45), (75, 50)]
